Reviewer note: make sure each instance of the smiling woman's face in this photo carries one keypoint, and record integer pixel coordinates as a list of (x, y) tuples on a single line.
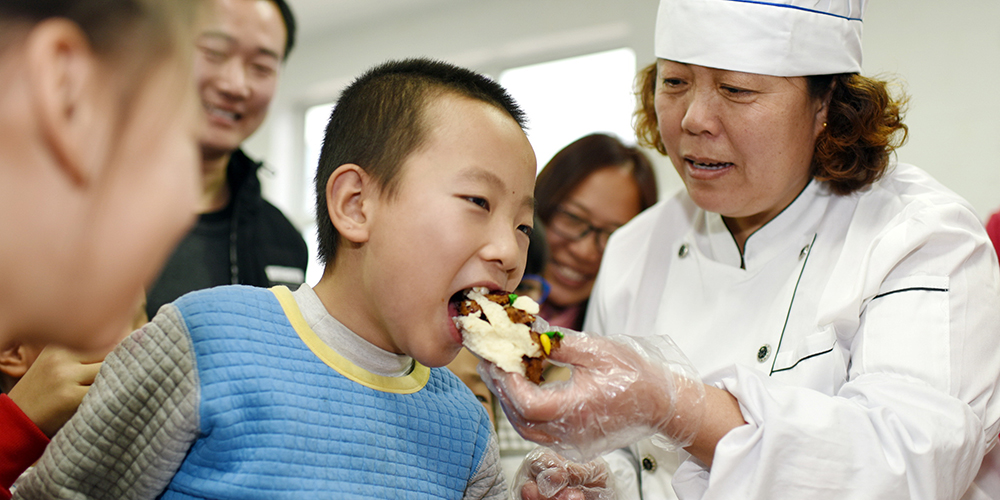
[(607, 199), (742, 143)]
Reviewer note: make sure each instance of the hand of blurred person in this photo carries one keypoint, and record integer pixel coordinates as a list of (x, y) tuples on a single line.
[(622, 389), (53, 387), (49, 382), (545, 474)]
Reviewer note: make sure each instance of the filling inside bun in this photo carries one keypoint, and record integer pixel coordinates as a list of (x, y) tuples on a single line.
[(497, 327)]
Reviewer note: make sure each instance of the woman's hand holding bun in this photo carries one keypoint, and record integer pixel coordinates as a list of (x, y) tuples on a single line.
[(622, 389)]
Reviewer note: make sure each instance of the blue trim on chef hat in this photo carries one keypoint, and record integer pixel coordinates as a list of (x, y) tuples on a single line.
[(786, 6), (778, 38)]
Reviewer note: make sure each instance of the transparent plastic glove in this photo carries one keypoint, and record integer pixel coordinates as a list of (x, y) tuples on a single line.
[(544, 474), (622, 389)]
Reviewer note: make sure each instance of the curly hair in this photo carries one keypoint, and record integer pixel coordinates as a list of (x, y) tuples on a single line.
[(647, 130), (864, 127)]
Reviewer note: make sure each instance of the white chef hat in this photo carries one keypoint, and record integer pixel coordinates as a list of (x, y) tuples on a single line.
[(773, 37)]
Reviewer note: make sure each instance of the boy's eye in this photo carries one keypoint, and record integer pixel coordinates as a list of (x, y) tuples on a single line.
[(528, 230), (482, 202)]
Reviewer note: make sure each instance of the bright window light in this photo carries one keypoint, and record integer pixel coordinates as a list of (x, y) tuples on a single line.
[(316, 119), (570, 98)]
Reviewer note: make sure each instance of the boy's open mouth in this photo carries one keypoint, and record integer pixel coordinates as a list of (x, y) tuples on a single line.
[(497, 327), (453, 302), (461, 295)]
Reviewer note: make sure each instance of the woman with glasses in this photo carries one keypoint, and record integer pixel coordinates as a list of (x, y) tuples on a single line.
[(587, 190)]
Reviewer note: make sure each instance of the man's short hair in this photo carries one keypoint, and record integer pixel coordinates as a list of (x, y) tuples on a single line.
[(290, 26), (378, 122)]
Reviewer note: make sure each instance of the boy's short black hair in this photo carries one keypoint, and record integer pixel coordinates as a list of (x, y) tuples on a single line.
[(378, 122), (290, 26)]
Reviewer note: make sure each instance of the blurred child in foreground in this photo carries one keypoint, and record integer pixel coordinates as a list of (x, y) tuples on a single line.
[(97, 182)]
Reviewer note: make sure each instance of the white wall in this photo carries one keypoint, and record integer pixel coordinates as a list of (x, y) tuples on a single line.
[(947, 53)]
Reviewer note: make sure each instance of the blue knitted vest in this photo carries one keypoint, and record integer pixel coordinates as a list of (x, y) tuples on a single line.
[(278, 422)]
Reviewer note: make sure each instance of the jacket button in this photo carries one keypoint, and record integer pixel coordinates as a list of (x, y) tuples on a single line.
[(683, 252), (763, 353), (648, 463)]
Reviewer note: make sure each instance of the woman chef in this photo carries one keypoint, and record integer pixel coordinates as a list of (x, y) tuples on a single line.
[(842, 310)]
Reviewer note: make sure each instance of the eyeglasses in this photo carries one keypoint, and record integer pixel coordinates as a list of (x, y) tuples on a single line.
[(575, 228)]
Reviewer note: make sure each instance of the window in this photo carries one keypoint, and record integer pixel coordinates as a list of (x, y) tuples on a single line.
[(316, 118), (569, 98)]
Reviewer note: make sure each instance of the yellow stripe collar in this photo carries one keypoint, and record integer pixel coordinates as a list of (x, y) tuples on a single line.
[(407, 384)]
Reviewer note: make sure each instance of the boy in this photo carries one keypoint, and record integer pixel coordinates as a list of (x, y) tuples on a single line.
[(424, 189)]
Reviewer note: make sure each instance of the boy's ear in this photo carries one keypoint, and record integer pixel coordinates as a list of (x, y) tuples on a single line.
[(348, 203), (61, 69)]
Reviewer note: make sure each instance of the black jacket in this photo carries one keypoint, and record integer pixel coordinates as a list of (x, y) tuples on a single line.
[(250, 242)]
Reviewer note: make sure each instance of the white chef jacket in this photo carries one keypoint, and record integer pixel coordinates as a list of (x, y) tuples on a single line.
[(860, 335)]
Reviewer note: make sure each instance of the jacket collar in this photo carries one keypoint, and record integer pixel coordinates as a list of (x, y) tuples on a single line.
[(241, 173), (800, 219)]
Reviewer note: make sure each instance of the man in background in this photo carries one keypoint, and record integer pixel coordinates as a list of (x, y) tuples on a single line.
[(239, 237)]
